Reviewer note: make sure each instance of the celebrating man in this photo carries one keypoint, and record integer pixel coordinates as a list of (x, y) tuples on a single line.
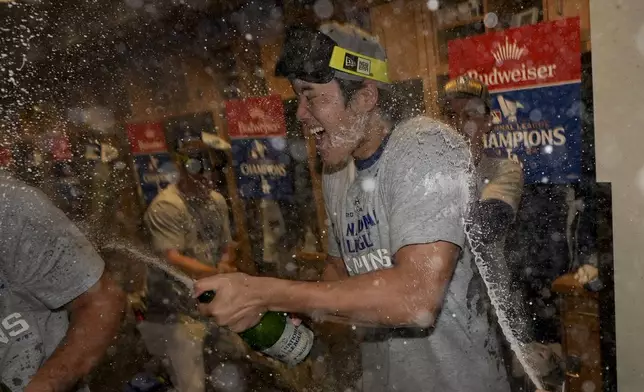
[(396, 194)]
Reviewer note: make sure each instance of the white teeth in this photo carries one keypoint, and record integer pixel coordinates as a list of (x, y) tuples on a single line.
[(315, 131)]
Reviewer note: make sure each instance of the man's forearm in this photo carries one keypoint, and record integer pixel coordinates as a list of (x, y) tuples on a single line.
[(377, 298), (334, 269), (93, 325)]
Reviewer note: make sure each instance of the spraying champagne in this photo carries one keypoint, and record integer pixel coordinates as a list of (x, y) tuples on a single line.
[(275, 335)]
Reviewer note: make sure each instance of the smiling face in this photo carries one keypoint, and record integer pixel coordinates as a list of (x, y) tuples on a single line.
[(339, 128)]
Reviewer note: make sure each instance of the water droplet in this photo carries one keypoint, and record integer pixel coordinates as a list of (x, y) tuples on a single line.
[(150, 9), (278, 143), (640, 40), (547, 149), (134, 3), (323, 9), (423, 318), (248, 36), (535, 115), (490, 20), (228, 377), (290, 266), (545, 180), (298, 150), (433, 5), (639, 180), (368, 184)]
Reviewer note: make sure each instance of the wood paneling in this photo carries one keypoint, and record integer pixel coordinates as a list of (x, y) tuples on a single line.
[(561, 9), (405, 29), (270, 51)]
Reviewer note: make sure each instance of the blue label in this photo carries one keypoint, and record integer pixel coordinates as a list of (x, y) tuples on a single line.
[(262, 168), (155, 172), (541, 127)]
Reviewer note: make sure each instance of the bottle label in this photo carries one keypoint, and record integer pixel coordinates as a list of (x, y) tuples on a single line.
[(294, 344)]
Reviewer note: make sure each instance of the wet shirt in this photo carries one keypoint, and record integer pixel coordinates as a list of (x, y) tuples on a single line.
[(45, 263), (197, 229), (416, 190)]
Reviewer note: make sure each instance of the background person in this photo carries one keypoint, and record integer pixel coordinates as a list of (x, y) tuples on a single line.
[(189, 226), (59, 311)]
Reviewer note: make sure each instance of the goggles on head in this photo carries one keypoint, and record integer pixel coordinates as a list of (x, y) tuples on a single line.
[(314, 57)]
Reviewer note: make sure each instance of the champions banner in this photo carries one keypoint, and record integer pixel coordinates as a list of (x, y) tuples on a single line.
[(257, 130), (152, 162), (534, 77)]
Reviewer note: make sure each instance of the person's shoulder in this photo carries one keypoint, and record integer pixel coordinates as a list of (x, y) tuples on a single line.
[(424, 138), (426, 133), (167, 199), (21, 196), (218, 197)]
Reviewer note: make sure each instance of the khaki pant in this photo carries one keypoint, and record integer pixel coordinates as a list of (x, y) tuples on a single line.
[(181, 346)]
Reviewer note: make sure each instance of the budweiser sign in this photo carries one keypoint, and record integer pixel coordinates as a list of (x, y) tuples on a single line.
[(545, 53), (146, 138), (256, 117)]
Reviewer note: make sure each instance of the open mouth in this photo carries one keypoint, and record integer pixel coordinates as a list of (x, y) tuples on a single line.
[(317, 132)]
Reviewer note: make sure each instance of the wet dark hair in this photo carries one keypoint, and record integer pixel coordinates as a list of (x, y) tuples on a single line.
[(388, 104)]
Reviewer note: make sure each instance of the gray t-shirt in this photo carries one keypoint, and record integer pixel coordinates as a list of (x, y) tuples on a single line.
[(198, 229), (416, 191), (45, 263)]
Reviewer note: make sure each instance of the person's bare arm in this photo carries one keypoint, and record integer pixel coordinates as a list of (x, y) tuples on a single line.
[(334, 269), (228, 261), (409, 294), (95, 317), (192, 267)]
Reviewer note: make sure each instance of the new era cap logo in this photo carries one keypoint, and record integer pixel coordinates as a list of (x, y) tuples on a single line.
[(357, 64), (350, 62)]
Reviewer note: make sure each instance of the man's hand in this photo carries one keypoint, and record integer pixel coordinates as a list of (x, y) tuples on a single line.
[(239, 300), (586, 273)]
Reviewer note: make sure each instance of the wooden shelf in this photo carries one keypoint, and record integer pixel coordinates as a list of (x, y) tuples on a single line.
[(449, 26)]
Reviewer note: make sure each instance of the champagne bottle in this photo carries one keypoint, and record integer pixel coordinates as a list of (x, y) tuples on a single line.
[(276, 336)]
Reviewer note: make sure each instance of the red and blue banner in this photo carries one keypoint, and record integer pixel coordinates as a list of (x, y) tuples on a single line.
[(534, 77), (257, 130), (153, 164)]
